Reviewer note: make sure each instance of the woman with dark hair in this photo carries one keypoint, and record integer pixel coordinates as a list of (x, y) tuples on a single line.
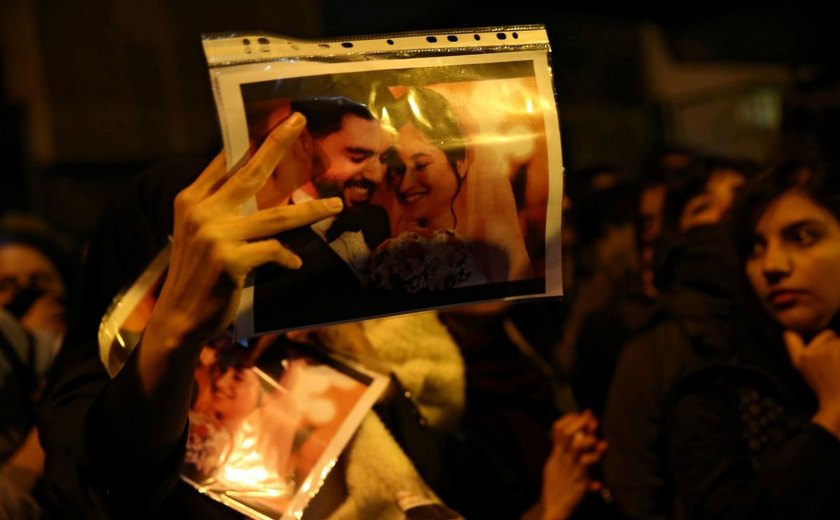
[(433, 161), (433, 188), (757, 435)]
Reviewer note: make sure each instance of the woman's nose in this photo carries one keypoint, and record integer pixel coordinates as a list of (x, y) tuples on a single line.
[(777, 263)]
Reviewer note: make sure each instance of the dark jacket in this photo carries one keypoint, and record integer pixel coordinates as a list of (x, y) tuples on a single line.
[(691, 329), (740, 440), (89, 473), (741, 445)]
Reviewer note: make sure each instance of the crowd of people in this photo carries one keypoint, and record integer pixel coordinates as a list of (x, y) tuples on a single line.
[(691, 371)]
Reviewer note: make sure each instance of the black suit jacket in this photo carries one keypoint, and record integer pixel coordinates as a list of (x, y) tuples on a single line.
[(324, 289)]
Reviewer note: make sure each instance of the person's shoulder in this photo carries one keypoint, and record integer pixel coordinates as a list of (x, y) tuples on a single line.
[(660, 339)]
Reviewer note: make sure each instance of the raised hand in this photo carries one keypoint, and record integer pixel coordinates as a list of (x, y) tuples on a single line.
[(214, 247), (819, 364)]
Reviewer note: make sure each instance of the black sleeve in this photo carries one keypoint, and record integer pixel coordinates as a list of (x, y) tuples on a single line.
[(716, 476), (634, 463), (89, 473)]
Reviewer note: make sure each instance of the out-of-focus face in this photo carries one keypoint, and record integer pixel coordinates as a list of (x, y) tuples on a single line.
[(794, 266), (427, 186), (349, 161), (23, 266), (651, 205), (715, 203)]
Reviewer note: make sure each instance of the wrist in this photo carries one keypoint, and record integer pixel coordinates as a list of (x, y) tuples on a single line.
[(556, 511), (558, 514), (171, 334), (828, 418)]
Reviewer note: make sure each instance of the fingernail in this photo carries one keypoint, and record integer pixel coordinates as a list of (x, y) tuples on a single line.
[(296, 120), (335, 203), (295, 263)]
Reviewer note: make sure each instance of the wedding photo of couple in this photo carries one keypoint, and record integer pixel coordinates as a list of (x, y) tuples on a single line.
[(444, 179)]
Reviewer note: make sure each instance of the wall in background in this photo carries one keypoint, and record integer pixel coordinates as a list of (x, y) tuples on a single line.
[(95, 90)]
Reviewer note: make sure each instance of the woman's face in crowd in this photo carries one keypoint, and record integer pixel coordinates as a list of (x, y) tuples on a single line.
[(794, 266), (428, 184), (23, 266), (715, 202)]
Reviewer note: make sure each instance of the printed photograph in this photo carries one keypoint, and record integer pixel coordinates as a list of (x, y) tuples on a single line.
[(265, 440), (446, 178)]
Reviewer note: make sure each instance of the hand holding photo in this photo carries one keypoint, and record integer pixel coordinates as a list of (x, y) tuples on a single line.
[(268, 417)]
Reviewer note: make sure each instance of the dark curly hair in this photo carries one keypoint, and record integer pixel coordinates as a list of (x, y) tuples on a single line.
[(819, 182)]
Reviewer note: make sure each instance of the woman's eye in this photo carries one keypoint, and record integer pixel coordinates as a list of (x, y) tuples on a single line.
[(806, 237), (700, 208), (756, 250), (420, 166), (698, 205)]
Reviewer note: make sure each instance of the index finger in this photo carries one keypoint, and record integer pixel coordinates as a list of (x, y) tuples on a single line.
[(250, 178)]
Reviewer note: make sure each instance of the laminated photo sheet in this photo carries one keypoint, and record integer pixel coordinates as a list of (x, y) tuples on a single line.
[(264, 444), (268, 417), (125, 319), (452, 182)]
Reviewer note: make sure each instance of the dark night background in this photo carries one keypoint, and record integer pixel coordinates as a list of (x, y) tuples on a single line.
[(93, 91)]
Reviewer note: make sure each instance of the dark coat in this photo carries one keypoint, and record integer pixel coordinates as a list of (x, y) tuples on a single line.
[(739, 435), (691, 329)]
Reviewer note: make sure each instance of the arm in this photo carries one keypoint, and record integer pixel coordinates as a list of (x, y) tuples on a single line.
[(26, 465), (634, 464), (714, 472), (213, 250), (133, 425)]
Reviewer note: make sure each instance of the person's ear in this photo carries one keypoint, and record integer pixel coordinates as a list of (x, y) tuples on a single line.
[(304, 145)]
